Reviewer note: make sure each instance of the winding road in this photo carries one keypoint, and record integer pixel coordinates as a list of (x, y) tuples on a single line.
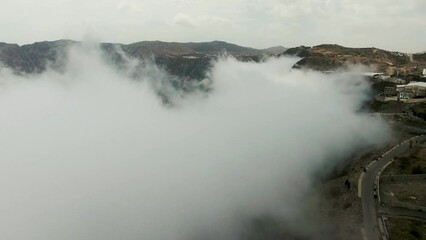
[(369, 192)]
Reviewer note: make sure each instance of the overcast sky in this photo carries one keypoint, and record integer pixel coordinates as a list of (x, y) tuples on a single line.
[(389, 24)]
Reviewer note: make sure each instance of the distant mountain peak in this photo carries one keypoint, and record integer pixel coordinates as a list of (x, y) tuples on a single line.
[(275, 50)]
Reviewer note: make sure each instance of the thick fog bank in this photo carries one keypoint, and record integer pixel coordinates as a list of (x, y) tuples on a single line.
[(92, 154)]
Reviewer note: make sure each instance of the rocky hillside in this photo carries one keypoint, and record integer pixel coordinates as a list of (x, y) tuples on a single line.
[(329, 57), (192, 60), (186, 60)]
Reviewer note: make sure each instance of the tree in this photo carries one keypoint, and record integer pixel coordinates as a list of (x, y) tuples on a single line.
[(417, 170), (404, 162)]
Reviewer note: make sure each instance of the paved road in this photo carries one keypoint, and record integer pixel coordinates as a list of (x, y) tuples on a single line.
[(368, 200), (403, 213)]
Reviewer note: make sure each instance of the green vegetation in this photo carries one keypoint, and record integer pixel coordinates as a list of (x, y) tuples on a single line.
[(412, 163), (419, 57), (419, 110), (406, 229), (417, 170), (187, 61), (404, 162)]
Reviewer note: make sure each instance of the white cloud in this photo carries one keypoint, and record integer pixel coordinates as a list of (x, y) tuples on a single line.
[(131, 7), (184, 20), (91, 154), (216, 20), (280, 22)]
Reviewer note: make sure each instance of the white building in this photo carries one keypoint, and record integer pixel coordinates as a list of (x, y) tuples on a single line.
[(424, 72), (412, 90)]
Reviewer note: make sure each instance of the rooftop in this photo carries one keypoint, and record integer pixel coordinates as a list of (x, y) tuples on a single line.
[(420, 84)]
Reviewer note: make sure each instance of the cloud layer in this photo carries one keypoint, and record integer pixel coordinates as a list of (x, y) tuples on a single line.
[(393, 25), (91, 154)]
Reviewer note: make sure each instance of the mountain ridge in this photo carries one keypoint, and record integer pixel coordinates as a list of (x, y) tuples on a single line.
[(191, 60), (326, 57)]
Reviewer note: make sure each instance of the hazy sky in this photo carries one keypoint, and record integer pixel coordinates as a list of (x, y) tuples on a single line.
[(390, 24)]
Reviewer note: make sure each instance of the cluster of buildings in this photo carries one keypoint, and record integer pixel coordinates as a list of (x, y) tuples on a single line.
[(402, 90), (394, 72), (407, 91), (411, 90)]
